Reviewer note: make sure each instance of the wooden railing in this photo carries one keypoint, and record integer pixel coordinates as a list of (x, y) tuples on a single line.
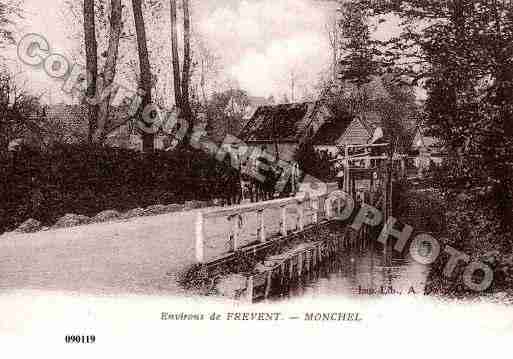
[(315, 207)]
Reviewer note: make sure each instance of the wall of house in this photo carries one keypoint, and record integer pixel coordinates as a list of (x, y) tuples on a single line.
[(355, 134)]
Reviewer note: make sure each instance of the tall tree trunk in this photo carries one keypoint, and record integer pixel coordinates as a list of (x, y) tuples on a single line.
[(186, 59), (91, 49), (109, 71), (175, 58), (203, 83), (145, 70)]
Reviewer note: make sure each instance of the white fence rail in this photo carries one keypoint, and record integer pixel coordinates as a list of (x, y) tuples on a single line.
[(289, 214)]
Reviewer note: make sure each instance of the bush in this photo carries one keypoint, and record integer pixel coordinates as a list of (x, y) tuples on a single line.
[(472, 229), (312, 163), (87, 180)]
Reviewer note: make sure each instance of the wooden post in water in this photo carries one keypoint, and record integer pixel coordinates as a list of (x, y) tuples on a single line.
[(321, 208), (282, 274), (364, 234), (291, 270), (346, 169), (353, 188), (299, 264), (371, 190), (387, 248), (362, 238)]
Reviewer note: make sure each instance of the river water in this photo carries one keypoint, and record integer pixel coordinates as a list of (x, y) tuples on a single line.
[(357, 273)]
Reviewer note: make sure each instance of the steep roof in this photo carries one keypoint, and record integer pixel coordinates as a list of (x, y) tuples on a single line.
[(284, 122), (330, 132)]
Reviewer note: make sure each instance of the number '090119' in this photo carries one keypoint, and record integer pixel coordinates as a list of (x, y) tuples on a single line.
[(80, 339)]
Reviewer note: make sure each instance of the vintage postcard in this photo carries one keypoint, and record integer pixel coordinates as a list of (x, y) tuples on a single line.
[(190, 178)]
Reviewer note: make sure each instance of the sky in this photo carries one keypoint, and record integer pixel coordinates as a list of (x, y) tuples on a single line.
[(261, 43), (269, 41)]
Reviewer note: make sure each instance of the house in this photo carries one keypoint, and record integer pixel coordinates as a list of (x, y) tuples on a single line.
[(348, 129), (281, 129), (425, 149)]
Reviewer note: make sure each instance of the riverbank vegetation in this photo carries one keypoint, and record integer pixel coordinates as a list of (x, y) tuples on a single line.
[(460, 54), (454, 221)]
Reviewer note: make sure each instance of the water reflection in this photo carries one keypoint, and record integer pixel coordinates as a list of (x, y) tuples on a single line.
[(357, 273)]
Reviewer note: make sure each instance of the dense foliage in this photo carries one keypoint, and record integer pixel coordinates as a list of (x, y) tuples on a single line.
[(313, 163), (358, 63), (363, 86), (225, 112), (87, 180), (461, 51), (19, 112)]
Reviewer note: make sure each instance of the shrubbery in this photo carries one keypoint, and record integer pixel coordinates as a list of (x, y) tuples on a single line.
[(311, 162), (87, 180)]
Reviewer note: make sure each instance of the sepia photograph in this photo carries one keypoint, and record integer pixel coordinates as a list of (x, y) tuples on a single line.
[(223, 175)]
